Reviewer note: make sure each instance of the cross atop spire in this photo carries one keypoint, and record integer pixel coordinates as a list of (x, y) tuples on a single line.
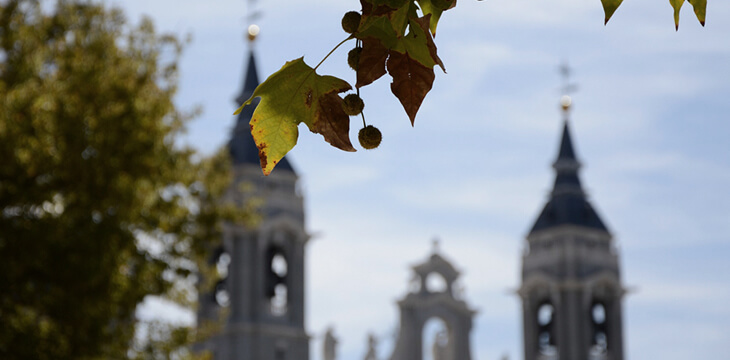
[(567, 89), (435, 245), (568, 203), (565, 72)]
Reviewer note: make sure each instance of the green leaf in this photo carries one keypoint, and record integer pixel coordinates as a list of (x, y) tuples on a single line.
[(296, 94), (379, 27), (677, 5), (423, 22), (699, 7), (435, 8), (416, 44), (609, 7), (399, 18)]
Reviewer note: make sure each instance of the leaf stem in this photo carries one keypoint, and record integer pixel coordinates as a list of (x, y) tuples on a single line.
[(358, 44), (333, 50)]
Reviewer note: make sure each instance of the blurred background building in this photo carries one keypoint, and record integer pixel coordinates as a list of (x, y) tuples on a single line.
[(571, 288)]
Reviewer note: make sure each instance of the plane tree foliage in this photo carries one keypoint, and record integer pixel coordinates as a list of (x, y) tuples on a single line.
[(98, 206), (394, 37)]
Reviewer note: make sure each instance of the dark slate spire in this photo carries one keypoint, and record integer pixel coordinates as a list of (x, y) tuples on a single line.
[(568, 204), (241, 146)]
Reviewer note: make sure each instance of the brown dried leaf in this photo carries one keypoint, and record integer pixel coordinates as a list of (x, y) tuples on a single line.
[(372, 62), (332, 122), (411, 82)]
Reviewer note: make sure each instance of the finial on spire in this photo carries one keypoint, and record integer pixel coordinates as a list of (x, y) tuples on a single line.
[(566, 89), (253, 31), (252, 14), (435, 245)]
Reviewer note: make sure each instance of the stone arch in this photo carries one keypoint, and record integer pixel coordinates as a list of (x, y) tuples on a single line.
[(281, 240), (437, 342), (602, 300), (422, 304), (541, 302)]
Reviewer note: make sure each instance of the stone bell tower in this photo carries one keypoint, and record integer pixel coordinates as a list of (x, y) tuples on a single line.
[(261, 295), (429, 299), (571, 286)]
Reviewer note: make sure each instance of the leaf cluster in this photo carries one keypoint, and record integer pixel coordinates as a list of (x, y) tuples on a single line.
[(394, 37), (699, 7), (98, 207)]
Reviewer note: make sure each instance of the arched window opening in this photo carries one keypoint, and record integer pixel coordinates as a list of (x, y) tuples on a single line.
[(224, 261), (435, 283), (277, 271), (221, 295), (279, 300), (599, 348), (598, 313), (436, 343), (220, 292), (545, 319), (279, 265)]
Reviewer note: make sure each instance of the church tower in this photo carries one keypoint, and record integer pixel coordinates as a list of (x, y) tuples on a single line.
[(433, 295), (571, 287), (261, 296)]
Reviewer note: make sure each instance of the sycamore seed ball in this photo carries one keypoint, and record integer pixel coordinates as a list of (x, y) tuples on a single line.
[(351, 21), (370, 137), (353, 57), (352, 104)]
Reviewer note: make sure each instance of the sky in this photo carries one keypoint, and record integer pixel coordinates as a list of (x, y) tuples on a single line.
[(649, 123)]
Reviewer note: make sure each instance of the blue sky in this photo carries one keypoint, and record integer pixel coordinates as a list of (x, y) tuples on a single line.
[(650, 124)]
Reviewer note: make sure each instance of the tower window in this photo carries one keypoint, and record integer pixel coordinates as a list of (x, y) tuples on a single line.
[(545, 314), (222, 297), (279, 301), (220, 293), (545, 318), (277, 271), (436, 340), (224, 260), (279, 265), (435, 283), (598, 313), (599, 342)]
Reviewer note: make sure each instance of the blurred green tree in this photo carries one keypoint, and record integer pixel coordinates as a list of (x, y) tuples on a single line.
[(98, 206)]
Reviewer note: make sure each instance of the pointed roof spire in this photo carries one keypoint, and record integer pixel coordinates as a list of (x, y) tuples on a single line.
[(241, 146), (566, 145), (568, 204)]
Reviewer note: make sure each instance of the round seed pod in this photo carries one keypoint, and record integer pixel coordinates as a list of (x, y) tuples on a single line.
[(353, 57), (369, 137), (351, 21), (352, 104)]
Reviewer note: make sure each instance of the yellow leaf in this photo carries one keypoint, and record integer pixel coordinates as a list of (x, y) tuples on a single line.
[(699, 7), (609, 7), (677, 5), (296, 94)]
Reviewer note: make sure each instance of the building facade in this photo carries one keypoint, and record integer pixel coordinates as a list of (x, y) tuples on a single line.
[(571, 285), (260, 301), (427, 300)]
